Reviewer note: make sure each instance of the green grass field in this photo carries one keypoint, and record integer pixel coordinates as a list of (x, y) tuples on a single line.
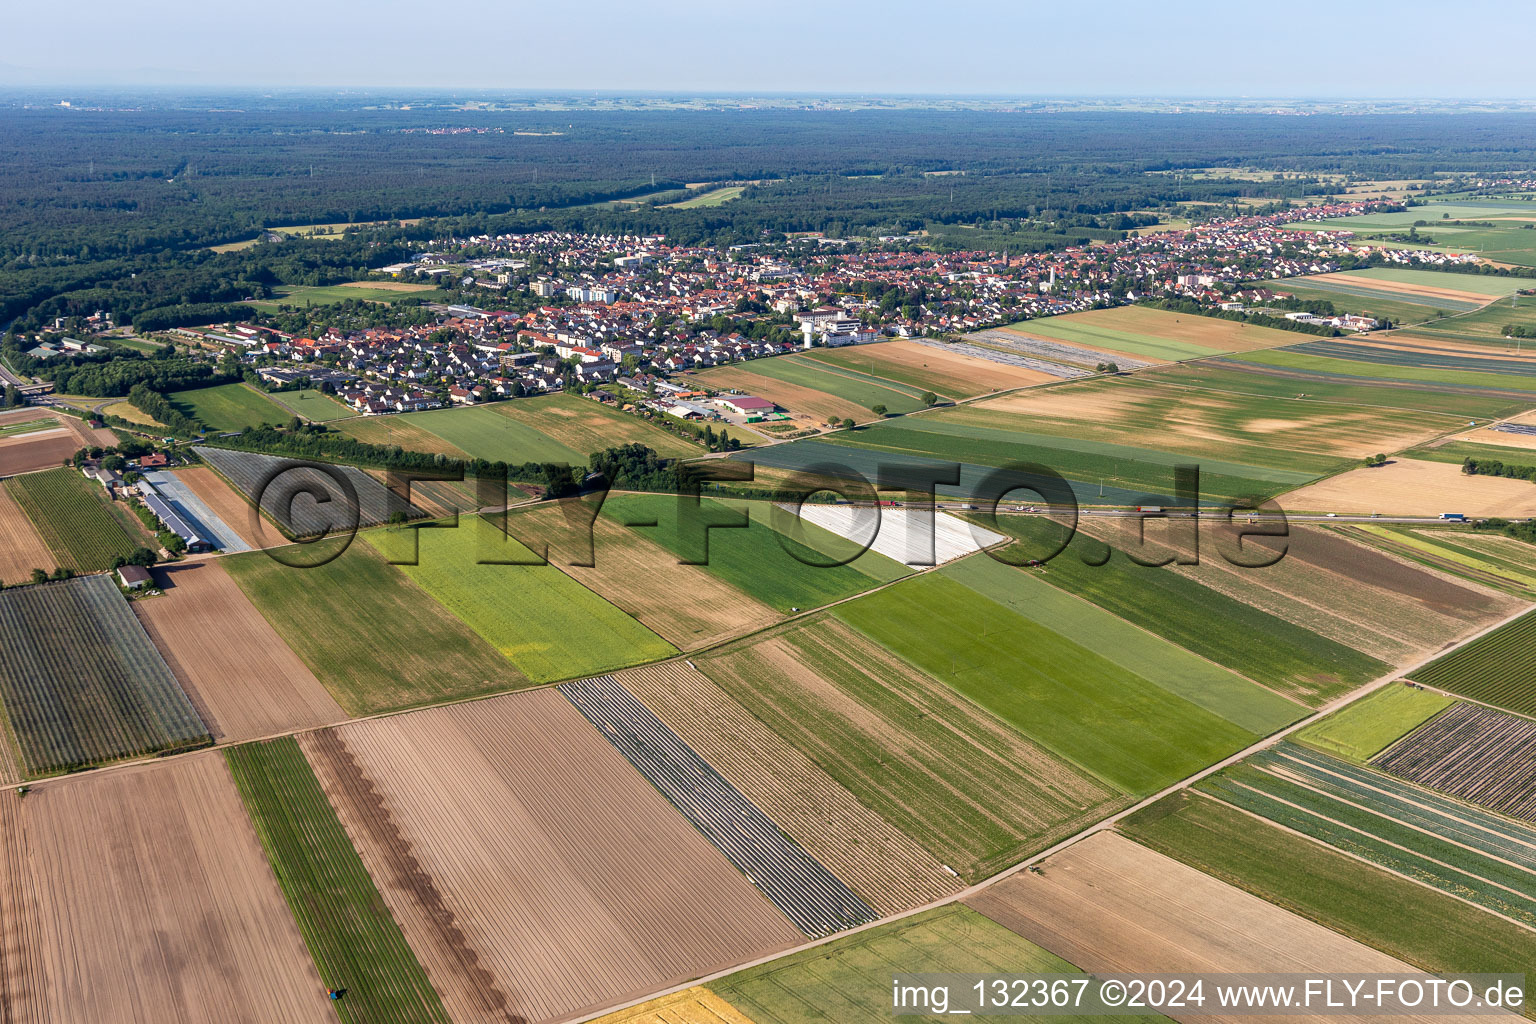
[(1201, 682), (973, 792), (547, 624), (484, 432), (1415, 923), (849, 981), (1229, 375), (584, 426), (708, 197), (1328, 365), (323, 295), (1115, 723), (315, 406), (1360, 731), (1288, 658), (229, 407), (376, 640), (1496, 668), (777, 570), (355, 943), (1459, 451), (1491, 285), (1486, 325), (72, 516)]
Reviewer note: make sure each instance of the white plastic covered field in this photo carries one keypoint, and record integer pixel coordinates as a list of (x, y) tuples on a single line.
[(914, 537)]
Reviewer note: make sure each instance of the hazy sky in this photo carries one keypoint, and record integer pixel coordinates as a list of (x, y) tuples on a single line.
[(1409, 48)]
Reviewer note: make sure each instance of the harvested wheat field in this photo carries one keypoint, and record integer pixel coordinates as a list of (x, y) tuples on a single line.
[(21, 549), (144, 895), (697, 1005), (889, 870), (806, 405), (534, 872), (1425, 294), (244, 681), (1108, 905), (233, 510), (685, 604), (1504, 438), (403, 432), (1413, 487)]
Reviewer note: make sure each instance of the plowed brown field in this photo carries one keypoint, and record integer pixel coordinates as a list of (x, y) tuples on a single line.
[(889, 870), (224, 500), (684, 603), (21, 549), (245, 681), (1110, 905), (46, 449), (508, 837), (144, 895)]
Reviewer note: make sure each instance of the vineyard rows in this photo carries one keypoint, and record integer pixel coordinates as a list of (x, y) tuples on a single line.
[(1496, 669)]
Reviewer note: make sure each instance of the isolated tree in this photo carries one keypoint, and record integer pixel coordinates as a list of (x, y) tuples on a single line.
[(929, 399), (878, 410), (848, 424), (12, 396), (39, 576)]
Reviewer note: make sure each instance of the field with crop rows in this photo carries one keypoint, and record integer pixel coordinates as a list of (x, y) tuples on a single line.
[(241, 677), (1438, 842), (21, 546), (817, 901), (1413, 922), (1153, 334), (544, 622), (1487, 558), (855, 387), (685, 604), (143, 895), (1209, 686), (885, 866), (974, 791), (1299, 357), (1496, 669), (1111, 721), (931, 366), (544, 877), (585, 426), (1475, 753), (1112, 906), (355, 943), (81, 682), (1305, 387), (376, 640), (286, 489), (72, 517), (1288, 658), (314, 406)]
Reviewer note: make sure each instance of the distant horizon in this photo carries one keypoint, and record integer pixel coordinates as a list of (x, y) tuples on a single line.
[(997, 48)]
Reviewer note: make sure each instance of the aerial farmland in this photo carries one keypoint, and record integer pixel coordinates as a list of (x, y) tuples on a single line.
[(476, 557)]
